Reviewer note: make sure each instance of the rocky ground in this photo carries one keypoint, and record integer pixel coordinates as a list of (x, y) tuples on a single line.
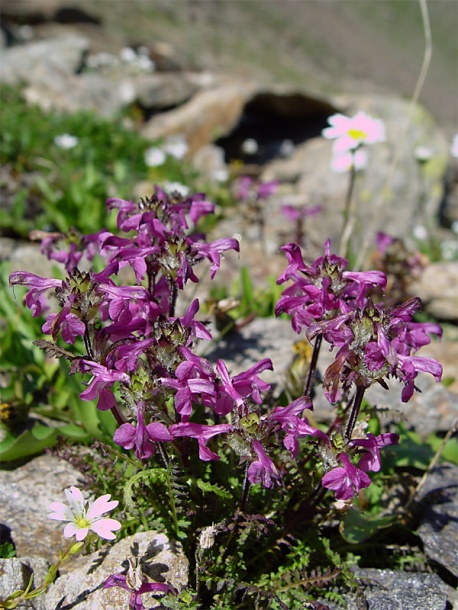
[(217, 103)]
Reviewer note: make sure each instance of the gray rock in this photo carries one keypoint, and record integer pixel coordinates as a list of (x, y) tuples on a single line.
[(26, 493), (261, 338), (30, 63), (26, 256), (164, 90), (208, 114), (14, 576), (438, 499), (438, 289), (390, 590), (82, 588)]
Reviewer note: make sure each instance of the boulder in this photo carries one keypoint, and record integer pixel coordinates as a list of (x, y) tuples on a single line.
[(438, 289), (437, 501), (26, 493), (161, 560), (35, 61), (206, 116)]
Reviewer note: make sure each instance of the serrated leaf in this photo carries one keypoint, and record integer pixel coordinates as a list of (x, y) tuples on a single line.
[(51, 349), (209, 488)]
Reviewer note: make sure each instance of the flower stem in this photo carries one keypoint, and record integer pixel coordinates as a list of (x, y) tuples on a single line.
[(246, 492), (360, 389), (118, 415), (312, 369), (349, 211)]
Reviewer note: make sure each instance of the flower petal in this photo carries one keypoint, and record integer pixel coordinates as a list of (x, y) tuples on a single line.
[(105, 527), (100, 506), (61, 512)]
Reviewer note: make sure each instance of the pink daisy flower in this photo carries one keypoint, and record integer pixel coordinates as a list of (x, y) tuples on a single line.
[(82, 518)]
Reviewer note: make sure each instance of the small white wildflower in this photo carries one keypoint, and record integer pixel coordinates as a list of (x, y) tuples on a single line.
[(176, 187), (176, 146), (145, 64), (249, 146), (128, 55), (423, 153), (449, 250), (220, 175), (454, 147), (66, 141), (420, 232), (154, 157)]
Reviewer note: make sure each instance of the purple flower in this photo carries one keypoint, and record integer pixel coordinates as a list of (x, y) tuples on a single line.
[(194, 381), (203, 434), (409, 367), (101, 378), (135, 583), (345, 480), (227, 390), (294, 213), (35, 298), (295, 423), (196, 329), (248, 384), (376, 342), (141, 437), (213, 251), (262, 470), (69, 325), (372, 444)]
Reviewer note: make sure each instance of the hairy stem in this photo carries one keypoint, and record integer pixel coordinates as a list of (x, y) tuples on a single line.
[(246, 492), (118, 415), (354, 412), (313, 363)]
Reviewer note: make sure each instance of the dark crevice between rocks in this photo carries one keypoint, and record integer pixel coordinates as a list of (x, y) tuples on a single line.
[(277, 123)]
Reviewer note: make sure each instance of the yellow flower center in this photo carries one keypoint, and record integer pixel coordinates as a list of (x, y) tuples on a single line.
[(357, 134), (82, 522)]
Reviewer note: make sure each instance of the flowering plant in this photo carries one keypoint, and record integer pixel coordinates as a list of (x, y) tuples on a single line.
[(209, 446)]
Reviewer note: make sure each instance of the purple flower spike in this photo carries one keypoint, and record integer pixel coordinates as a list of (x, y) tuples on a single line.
[(346, 480)]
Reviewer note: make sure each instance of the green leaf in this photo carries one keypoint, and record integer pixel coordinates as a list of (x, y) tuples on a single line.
[(75, 432), (219, 491), (357, 527), (28, 443), (450, 451)]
